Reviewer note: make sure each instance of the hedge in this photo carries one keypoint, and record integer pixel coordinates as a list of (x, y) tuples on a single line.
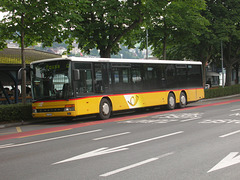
[(15, 113), (220, 91)]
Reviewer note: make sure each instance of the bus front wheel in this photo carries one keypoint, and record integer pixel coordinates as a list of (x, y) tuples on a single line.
[(171, 101), (105, 109), (183, 100)]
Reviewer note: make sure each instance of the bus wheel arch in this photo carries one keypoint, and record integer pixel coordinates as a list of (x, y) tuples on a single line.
[(105, 108), (183, 99), (171, 101)]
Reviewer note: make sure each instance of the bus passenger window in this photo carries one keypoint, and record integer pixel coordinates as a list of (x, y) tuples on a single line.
[(98, 81), (84, 85), (171, 76), (121, 79), (125, 76), (116, 77)]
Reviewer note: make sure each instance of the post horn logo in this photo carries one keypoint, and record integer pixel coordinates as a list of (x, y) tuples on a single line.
[(133, 100)]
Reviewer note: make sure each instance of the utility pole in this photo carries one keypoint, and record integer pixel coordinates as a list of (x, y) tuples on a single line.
[(147, 43), (222, 64)]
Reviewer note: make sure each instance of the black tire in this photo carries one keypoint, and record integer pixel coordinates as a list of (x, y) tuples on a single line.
[(68, 119), (171, 101), (183, 100), (105, 109)]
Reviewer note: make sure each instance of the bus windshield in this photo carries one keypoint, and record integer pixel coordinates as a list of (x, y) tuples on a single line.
[(51, 80)]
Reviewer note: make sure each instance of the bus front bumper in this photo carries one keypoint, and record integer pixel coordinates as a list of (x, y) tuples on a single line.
[(54, 114)]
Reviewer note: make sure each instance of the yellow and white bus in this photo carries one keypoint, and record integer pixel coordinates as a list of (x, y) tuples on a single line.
[(70, 87)]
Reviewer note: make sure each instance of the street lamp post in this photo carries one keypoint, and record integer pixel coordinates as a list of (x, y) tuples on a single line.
[(222, 65), (147, 43)]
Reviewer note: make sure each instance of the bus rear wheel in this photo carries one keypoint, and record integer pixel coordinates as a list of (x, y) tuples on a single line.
[(105, 109), (183, 100), (171, 101)]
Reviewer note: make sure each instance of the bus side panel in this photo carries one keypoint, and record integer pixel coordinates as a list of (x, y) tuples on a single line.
[(87, 105), (155, 98), (130, 101), (200, 93), (195, 94), (119, 102)]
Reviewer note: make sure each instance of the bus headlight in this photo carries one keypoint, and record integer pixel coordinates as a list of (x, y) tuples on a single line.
[(69, 107), (34, 110)]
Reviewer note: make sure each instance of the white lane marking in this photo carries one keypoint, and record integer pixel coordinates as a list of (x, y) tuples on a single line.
[(135, 165), (106, 150), (229, 160), (235, 114), (191, 119), (97, 152), (110, 136), (50, 139), (229, 134), (5, 145), (235, 110)]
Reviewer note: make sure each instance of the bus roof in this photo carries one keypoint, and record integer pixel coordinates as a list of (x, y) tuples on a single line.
[(115, 60)]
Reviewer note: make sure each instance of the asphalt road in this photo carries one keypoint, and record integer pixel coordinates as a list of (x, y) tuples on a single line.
[(198, 142)]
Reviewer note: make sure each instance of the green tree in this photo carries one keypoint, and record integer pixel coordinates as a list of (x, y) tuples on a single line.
[(108, 23), (30, 21), (179, 21), (224, 19), (227, 28)]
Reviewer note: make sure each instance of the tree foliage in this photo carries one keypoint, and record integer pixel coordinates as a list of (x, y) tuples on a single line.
[(227, 28), (30, 21), (108, 22), (178, 22), (223, 18), (44, 21)]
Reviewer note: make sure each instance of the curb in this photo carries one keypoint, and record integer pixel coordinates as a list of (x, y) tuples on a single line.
[(7, 125), (14, 124), (219, 98)]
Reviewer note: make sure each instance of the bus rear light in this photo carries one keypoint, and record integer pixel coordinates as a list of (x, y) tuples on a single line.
[(69, 107)]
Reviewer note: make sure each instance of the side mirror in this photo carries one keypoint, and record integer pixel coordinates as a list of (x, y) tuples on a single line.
[(76, 74)]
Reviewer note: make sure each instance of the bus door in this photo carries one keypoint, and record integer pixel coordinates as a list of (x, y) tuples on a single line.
[(101, 78), (85, 84)]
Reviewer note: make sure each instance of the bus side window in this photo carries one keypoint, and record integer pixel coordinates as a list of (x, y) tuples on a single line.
[(121, 78), (171, 76), (84, 85), (194, 75), (181, 75), (136, 78), (98, 79), (162, 76), (151, 79)]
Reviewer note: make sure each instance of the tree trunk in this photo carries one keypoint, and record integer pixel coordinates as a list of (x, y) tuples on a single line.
[(229, 75), (204, 60), (105, 53), (23, 87), (204, 72), (164, 53), (237, 69)]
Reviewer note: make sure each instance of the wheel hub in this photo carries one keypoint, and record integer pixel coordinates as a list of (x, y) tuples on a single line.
[(183, 100), (171, 101), (105, 108)]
